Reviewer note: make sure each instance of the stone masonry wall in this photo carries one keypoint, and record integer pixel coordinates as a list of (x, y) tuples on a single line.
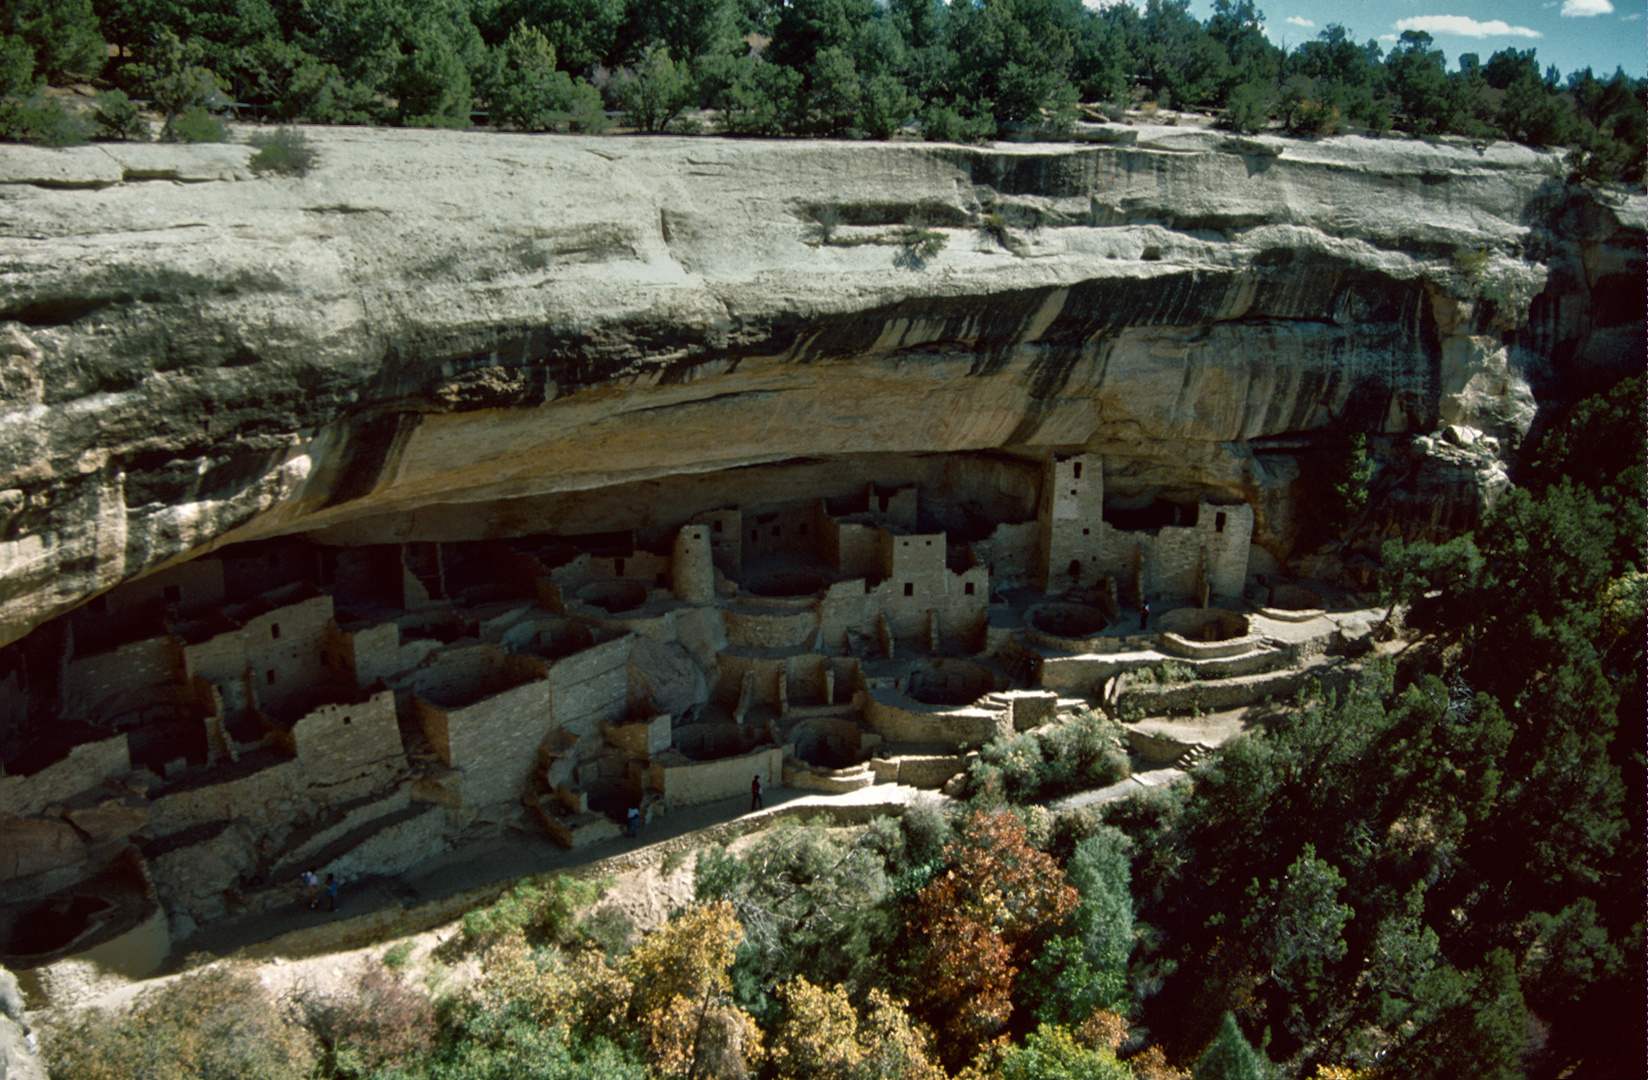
[(86, 766), (92, 683), (339, 742), (495, 742)]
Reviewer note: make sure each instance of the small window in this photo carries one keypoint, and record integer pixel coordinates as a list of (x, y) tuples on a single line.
[(909, 588), (1076, 472), (929, 543), (1072, 491), (173, 594), (269, 676), (1219, 523), (906, 543), (274, 631), (1075, 568), (715, 526), (968, 588), (346, 720), (1087, 532), (618, 567)]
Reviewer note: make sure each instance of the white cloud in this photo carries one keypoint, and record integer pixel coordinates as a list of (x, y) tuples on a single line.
[(1467, 27), (1294, 20), (1585, 9), (1630, 18), (1389, 37)]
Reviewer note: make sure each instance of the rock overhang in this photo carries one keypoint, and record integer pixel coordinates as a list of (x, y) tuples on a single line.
[(197, 356)]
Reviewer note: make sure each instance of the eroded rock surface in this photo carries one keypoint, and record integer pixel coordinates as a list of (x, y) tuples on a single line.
[(447, 336)]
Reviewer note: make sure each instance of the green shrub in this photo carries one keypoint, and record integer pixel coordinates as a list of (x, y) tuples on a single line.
[(195, 124), (543, 913), (1172, 671), (221, 1024), (39, 119), (285, 151), (941, 123), (117, 118), (396, 956)]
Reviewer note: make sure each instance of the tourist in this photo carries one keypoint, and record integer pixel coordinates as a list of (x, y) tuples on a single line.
[(311, 881), (755, 793), (1144, 613), (331, 892), (634, 818)]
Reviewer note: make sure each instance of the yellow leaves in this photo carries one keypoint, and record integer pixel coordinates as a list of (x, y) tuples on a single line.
[(823, 1037), (687, 958), (680, 981)]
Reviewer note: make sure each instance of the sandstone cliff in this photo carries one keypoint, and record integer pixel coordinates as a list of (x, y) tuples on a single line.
[(462, 335)]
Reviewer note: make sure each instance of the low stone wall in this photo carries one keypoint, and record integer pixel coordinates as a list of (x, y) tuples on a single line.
[(691, 783), (86, 766), (1155, 749), (1214, 695), (270, 796), (778, 628), (803, 777), (920, 771), (1206, 650), (396, 848), (901, 720), (394, 802)]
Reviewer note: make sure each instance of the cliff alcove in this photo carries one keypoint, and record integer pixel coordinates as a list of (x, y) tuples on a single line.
[(477, 479)]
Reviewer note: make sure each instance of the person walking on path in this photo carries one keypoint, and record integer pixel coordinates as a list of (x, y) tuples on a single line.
[(1144, 613), (634, 820), (331, 892), (755, 793), (311, 881)]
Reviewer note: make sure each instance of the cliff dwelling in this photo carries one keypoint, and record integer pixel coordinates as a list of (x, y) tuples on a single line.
[(512, 498), (289, 702)]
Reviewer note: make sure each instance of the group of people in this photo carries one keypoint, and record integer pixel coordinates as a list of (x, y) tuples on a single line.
[(311, 881)]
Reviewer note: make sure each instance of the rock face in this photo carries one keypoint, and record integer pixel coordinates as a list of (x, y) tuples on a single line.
[(451, 336)]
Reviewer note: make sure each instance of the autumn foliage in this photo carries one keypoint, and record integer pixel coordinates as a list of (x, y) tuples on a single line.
[(978, 924)]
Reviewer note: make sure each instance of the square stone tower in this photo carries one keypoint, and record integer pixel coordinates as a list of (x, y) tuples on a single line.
[(1071, 516)]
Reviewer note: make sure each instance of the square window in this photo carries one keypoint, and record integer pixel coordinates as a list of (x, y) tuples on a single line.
[(346, 719), (1087, 532), (968, 588), (909, 588), (715, 526)]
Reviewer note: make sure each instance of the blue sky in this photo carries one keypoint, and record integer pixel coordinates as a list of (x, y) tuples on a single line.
[(1571, 34)]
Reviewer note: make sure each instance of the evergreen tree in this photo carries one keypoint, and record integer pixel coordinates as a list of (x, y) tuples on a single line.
[(1230, 1057)]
